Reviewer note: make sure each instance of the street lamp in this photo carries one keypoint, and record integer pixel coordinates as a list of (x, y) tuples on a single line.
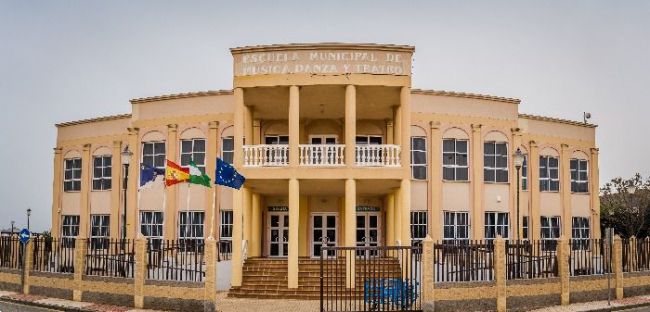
[(29, 213), (519, 162), (12, 227), (126, 159)]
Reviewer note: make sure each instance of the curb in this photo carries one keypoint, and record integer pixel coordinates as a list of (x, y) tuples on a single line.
[(620, 308), (46, 306)]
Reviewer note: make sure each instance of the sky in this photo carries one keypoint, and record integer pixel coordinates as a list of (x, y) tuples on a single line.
[(69, 60)]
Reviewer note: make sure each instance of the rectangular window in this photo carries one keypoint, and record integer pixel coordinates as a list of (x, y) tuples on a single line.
[(580, 233), (456, 225), (69, 230), (496, 224), (549, 180), (72, 175), (153, 154), (524, 227), (276, 139), (368, 139), (454, 165), (579, 176), (418, 225), (228, 149), (190, 228), (99, 231), (193, 149), (419, 158), (524, 174), (495, 162), (226, 224), (550, 231), (151, 226), (102, 173)]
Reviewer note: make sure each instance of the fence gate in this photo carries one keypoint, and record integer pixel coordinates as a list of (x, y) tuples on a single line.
[(370, 278)]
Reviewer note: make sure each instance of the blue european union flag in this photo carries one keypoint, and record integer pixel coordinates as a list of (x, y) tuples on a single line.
[(149, 174), (227, 175)]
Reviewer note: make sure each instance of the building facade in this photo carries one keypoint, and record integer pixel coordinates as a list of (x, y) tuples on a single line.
[(335, 145)]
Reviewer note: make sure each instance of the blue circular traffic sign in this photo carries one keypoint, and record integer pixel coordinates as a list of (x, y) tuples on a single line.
[(24, 236)]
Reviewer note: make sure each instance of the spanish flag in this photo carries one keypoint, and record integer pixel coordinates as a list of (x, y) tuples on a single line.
[(175, 173)]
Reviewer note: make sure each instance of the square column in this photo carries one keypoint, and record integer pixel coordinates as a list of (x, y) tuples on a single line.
[(565, 189), (398, 218), (86, 169), (237, 235), (116, 190), (294, 126), (57, 189), (350, 125), (405, 105), (294, 236), (210, 166), (533, 182), (256, 220), (134, 181), (390, 219), (248, 125), (248, 215), (594, 194), (405, 198), (238, 129), (350, 230), (476, 182), (435, 170)]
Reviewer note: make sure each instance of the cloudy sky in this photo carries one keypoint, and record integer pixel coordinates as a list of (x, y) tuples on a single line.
[(68, 60)]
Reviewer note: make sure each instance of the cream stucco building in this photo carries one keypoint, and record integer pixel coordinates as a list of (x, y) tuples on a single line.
[(334, 143)]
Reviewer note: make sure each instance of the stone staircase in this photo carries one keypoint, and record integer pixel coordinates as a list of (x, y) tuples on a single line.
[(266, 278)]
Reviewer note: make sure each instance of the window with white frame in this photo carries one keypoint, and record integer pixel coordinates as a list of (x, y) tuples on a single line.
[(419, 158), (368, 139), (495, 161), (550, 228), (193, 149), (228, 149), (418, 225), (496, 224), (226, 225), (190, 227), (456, 225), (455, 165), (580, 233), (72, 175), (151, 226), (549, 180), (524, 173), (579, 176), (524, 227), (69, 229), (99, 231), (102, 172), (153, 154)]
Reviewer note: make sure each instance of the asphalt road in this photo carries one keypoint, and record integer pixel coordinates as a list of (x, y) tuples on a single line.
[(14, 307)]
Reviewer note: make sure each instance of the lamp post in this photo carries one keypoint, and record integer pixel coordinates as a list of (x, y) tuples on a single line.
[(29, 213), (12, 227), (519, 162), (126, 159)]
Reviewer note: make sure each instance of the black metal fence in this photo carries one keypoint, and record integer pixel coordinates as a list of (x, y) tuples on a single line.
[(10, 252), (589, 257), (385, 279), (530, 259), (176, 260), (464, 261), (54, 255), (110, 257)]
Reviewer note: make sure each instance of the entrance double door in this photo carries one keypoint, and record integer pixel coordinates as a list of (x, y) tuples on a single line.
[(367, 233), (279, 234)]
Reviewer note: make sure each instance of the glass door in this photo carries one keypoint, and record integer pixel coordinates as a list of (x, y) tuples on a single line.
[(276, 155), (318, 155), (279, 234), (367, 233), (323, 228)]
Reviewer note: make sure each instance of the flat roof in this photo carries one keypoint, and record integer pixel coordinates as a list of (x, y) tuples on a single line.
[(323, 45), (180, 96), (89, 120), (466, 95), (558, 120)]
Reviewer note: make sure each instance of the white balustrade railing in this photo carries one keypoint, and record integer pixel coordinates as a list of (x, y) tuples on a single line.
[(266, 155), (322, 155), (377, 155)]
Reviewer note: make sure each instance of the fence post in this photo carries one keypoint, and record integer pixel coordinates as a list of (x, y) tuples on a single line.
[(500, 272), (210, 282), (29, 260), (428, 275), (632, 255), (80, 250), (563, 249), (618, 266), (139, 274)]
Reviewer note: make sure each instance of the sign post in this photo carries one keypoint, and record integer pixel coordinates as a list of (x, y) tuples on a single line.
[(24, 238)]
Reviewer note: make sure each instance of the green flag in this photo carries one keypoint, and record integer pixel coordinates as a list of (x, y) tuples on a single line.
[(198, 177)]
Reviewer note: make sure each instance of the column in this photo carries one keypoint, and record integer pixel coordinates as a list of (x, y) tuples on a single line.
[(248, 208), (238, 127), (350, 125), (390, 132), (86, 169), (398, 218), (565, 189), (294, 221), (81, 247), (435, 176), (248, 125), (533, 185), (390, 219), (397, 129), (500, 272), (617, 265), (563, 269), (132, 188), (476, 181), (294, 125), (257, 133), (139, 274), (350, 230), (514, 176), (256, 225), (210, 165), (210, 284), (405, 104), (116, 189), (170, 213), (405, 198), (594, 193), (237, 233), (57, 189), (29, 262), (428, 274)]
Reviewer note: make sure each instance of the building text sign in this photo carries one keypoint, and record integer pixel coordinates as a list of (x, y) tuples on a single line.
[(323, 62)]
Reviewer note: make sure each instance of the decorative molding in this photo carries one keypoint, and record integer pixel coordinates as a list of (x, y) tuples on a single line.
[(466, 95), (323, 46), (89, 120), (434, 124), (557, 120), (180, 96)]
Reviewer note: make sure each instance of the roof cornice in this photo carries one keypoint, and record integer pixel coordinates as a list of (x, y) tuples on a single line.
[(557, 120), (180, 96), (467, 95), (89, 120), (323, 45)]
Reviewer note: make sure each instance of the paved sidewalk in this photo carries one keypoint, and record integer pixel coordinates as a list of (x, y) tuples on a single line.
[(225, 304), (601, 305), (55, 303)]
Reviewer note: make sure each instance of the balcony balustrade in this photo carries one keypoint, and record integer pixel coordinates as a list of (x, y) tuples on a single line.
[(266, 155), (322, 155), (377, 155)]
